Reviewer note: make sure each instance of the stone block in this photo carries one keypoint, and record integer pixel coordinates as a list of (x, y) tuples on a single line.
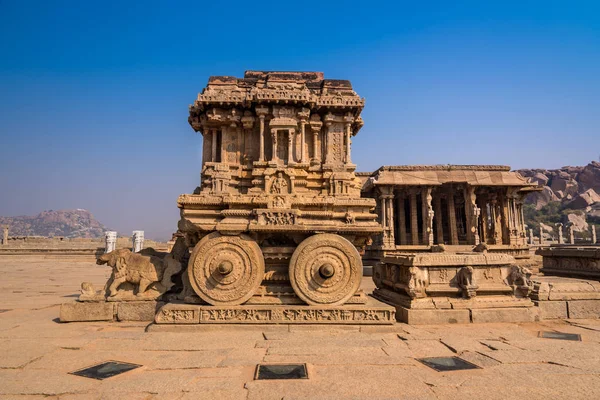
[(584, 309), (432, 317), (78, 311), (552, 309), (137, 310), (509, 314)]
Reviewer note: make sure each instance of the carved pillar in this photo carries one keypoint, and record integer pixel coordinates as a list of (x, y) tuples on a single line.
[(315, 145), (325, 146), (439, 226), (110, 240), (348, 132), (291, 133), (274, 156), (138, 241), (302, 141), (214, 145), (401, 218), (414, 227), (484, 220), (594, 238), (261, 155), (425, 206), (5, 234), (452, 218), (531, 240), (224, 139), (541, 234), (472, 213), (390, 220)]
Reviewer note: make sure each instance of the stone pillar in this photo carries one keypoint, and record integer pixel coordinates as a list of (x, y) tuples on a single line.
[(472, 213), (594, 238), (5, 235), (316, 146), (439, 228), (111, 241), (390, 220), (291, 133), (214, 145), (452, 219), (348, 134), (274, 156), (138, 241), (302, 141), (425, 207), (328, 154), (531, 239), (414, 227), (261, 155), (571, 234), (541, 234), (559, 227), (484, 221), (401, 218)]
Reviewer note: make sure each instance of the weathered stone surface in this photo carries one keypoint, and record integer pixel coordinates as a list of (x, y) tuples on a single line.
[(574, 262), (584, 309), (79, 311), (504, 315), (137, 310), (552, 309), (432, 317)]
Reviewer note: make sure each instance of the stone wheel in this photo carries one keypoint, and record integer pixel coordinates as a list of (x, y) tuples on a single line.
[(226, 270), (325, 269)]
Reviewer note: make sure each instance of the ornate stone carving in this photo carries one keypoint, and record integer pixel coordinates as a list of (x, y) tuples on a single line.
[(226, 270), (466, 281), (144, 271), (325, 269), (520, 280)]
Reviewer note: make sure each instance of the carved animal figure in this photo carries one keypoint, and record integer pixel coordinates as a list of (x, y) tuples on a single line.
[(466, 281), (481, 248), (134, 268)]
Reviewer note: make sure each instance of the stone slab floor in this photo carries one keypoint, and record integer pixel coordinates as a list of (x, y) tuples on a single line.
[(37, 353)]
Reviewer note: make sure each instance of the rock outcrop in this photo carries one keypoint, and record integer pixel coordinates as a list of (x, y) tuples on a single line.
[(64, 223)]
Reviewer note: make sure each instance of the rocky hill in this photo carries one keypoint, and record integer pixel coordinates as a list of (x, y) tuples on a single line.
[(66, 223), (570, 194)]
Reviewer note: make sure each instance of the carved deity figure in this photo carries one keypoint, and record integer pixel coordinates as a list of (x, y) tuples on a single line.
[(279, 185)]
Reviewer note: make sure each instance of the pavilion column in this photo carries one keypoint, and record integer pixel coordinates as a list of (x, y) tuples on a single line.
[(274, 156), (414, 227), (261, 156), (315, 144), (452, 219), (473, 213), (383, 218), (214, 145), (291, 133), (439, 228), (468, 213), (484, 219), (401, 218), (390, 219), (425, 205)]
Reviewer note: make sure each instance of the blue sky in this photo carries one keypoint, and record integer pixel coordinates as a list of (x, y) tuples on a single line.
[(94, 95)]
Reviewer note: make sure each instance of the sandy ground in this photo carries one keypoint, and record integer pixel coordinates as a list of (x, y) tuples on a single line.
[(213, 362)]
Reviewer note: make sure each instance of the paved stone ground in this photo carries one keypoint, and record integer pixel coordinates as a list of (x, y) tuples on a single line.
[(37, 353)]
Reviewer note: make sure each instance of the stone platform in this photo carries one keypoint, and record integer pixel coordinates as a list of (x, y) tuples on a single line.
[(373, 312), (560, 297), (571, 261)]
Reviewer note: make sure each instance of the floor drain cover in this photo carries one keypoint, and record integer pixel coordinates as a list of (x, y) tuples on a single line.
[(562, 336), (106, 370), (442, 364), (281, 371)]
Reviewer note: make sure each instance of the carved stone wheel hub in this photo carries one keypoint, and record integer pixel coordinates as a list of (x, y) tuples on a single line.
[(226, 270), (325, 269)]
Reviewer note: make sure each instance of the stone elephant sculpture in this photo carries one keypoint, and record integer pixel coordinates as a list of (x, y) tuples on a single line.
[(137, 269)]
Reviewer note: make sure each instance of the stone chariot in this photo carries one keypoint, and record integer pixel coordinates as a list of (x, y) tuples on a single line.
[(278, 218)]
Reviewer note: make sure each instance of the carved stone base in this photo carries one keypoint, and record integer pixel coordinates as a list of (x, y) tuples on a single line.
[(372, 313), (573, 262), (79, 311)]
